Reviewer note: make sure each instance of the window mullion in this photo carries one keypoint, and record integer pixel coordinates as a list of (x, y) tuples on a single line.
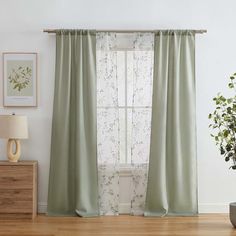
[(126, 111)]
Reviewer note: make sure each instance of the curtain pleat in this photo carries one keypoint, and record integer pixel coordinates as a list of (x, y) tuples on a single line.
[(73, 181), (172, 180)]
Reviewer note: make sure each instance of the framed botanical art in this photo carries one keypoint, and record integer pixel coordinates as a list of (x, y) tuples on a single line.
[(19, 79)]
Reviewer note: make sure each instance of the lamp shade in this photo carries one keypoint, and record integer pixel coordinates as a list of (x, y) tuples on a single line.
[(13, 127)]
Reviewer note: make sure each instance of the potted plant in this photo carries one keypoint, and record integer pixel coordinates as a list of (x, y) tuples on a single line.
[(223, 125)]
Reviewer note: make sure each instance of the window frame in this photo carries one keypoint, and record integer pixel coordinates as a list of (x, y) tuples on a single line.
[(126, 166)]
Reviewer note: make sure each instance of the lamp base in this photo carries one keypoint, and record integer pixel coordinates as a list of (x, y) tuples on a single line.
[(13, 157)]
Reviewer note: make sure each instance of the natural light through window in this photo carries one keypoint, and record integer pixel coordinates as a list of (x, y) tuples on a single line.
[(130, 100)]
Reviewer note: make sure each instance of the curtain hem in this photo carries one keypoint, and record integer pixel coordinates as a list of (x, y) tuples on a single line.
[(149, 214)]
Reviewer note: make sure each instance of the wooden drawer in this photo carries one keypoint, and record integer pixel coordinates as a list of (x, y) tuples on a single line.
[(16, 201), (16, 177), (18, 189)]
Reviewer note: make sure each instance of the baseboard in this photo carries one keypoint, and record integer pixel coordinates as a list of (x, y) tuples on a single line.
[(124, 208), (214, 208)]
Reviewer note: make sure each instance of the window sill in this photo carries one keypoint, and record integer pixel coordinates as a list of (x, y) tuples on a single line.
[(125, 171)]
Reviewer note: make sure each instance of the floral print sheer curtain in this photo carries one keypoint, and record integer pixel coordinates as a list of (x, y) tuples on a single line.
[(124, 98)]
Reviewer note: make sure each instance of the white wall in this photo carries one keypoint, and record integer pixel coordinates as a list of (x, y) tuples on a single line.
[(21, 27)]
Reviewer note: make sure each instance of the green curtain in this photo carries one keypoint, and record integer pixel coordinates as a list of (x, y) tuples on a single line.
[(73, 184), (172, 180)]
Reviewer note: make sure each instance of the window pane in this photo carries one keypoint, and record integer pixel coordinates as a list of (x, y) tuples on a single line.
[(140, 77), (129, 134), (108, 135), (139, 124), (122, 136), (121, 73), (107, 78), (130, 78)]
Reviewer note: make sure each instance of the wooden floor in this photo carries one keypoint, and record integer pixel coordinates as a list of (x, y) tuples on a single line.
[(204, 225)]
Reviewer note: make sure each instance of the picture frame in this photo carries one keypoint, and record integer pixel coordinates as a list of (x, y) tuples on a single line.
[(20, 79)]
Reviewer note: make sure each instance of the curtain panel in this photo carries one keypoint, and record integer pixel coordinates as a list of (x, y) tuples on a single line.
[(112, 93), (124, 88), (172, 180), (73, 182)]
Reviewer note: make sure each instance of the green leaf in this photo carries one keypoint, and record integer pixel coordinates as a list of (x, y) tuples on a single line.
[(222, 151), (222, 98), (229, 110), (228, 147), (230, 154), (231, 85), (15, 86), (209, 116), (226, 133)]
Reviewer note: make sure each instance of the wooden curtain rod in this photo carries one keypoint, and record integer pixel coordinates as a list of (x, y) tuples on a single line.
[(53, 31)]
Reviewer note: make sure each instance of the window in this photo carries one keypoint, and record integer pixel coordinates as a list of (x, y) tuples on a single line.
[(124, 102)]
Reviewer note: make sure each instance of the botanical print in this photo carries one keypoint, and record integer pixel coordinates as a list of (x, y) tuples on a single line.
[(108, 160), (107, 126), (138, 188), (141, 130), (109, 118), (19, 74), (19, 79), (141, 119), (108, 184)]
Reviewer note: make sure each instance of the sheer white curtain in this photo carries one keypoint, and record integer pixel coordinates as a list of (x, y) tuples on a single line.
[(124, 98)]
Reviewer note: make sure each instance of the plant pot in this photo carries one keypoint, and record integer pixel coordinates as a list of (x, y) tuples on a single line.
[(232, 213)]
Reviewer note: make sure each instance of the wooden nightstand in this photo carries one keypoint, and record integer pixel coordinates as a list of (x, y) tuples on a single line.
[(18, 189)]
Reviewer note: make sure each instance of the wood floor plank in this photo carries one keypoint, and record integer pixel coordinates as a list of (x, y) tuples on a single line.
[(124, 225)]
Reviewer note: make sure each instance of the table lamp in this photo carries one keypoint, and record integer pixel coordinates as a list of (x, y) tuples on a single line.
[(13, 127)]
